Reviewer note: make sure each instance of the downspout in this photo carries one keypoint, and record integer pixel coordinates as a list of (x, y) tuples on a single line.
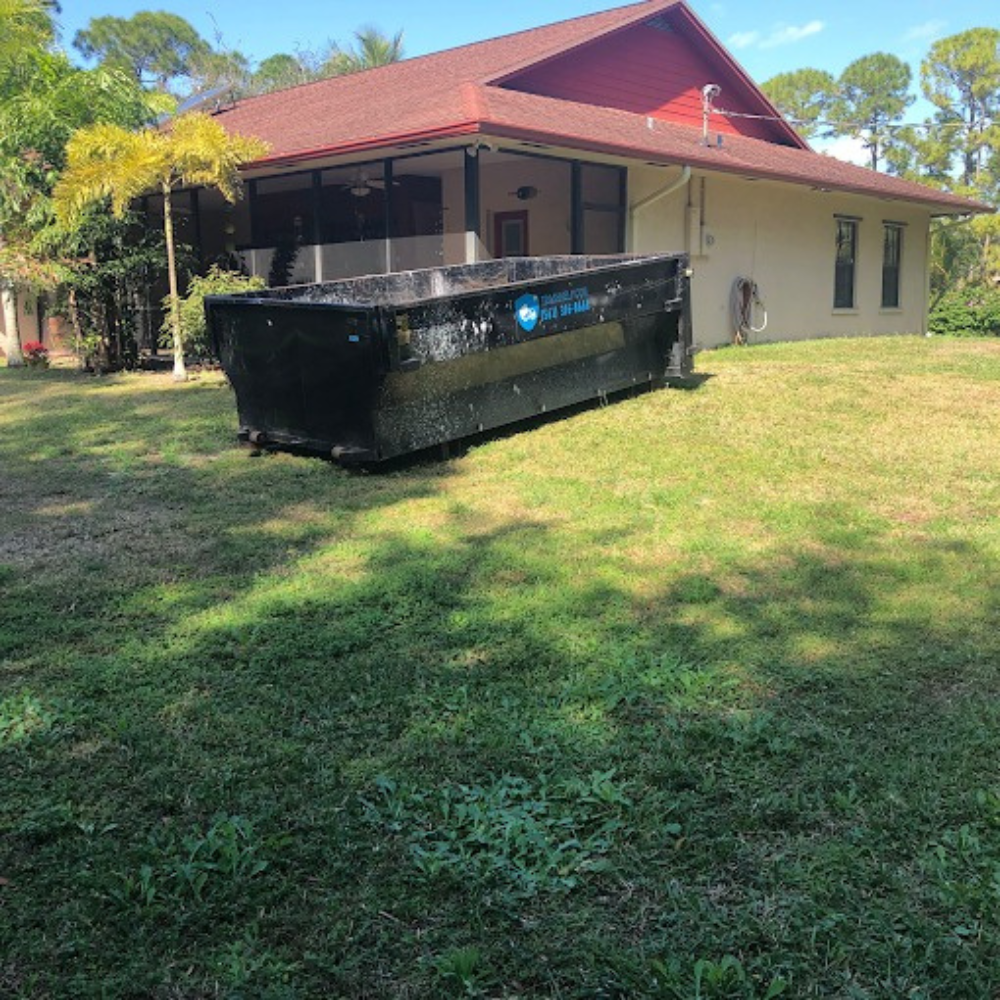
[(656, 196), (662, 193)]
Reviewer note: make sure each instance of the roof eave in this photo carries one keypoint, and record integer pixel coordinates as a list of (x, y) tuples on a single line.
[(702, 160), (708, 161), (366, 145)]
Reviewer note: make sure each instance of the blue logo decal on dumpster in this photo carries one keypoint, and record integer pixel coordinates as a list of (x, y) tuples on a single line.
[(527, 308)]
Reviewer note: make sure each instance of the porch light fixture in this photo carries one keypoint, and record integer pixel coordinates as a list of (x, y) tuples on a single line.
[(526, 193)]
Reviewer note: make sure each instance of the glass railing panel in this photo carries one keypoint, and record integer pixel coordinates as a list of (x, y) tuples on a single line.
[(331, 261)]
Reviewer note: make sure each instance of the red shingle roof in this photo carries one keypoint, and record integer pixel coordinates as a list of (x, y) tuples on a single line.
[(580, 126), (413, 97), (449, 94)]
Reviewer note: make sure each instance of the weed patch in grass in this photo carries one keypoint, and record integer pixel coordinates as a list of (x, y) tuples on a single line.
[(23, 717), (525, 837)]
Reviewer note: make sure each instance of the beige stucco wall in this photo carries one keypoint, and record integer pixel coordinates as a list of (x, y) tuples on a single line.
[(782, 236)]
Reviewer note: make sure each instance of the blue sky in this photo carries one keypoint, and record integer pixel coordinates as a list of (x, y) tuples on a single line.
[(767, 36)]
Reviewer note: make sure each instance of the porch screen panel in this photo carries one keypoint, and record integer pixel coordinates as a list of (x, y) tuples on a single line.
[(387, 215), (603, 209), (283, 211), (352, 204)]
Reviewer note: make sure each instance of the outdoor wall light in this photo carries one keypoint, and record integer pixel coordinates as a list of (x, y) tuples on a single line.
[(526, 193)]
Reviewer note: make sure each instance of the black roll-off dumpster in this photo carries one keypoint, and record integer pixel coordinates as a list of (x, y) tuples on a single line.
[(369, 368)]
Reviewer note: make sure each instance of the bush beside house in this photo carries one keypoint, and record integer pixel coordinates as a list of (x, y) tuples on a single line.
[(967, 312)]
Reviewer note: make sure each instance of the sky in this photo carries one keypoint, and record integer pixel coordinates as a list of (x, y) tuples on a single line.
[(766, 36)]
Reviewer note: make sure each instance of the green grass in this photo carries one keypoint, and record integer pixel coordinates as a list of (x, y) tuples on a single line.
[(691, 696)]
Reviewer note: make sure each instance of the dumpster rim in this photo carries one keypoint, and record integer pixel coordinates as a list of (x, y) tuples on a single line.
[(623, 260)]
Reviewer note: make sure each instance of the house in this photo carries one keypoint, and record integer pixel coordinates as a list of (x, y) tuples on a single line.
[(628, 130)]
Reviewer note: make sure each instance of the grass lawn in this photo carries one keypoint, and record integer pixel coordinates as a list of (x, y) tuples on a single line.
[(695, 695)]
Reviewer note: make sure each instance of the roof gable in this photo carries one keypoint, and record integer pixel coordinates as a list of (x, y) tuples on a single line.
[(412, 96), (657, 67)]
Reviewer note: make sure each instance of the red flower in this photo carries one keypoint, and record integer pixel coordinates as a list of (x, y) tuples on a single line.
[(36, 354)]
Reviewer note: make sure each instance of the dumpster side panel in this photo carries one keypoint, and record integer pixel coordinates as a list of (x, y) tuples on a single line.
[(262, 364), (478, 362), (303, 375), (558, 372)]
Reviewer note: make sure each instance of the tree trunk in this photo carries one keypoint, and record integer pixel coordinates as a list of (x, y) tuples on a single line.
[(12, 340), (970, 174), (180, 374)]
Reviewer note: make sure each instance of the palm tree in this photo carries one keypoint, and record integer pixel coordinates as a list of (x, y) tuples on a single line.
[(105, 161), (372, 49)]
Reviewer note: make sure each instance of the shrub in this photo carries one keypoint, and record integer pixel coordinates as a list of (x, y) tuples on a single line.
[(282, 264), (36, 354), (967, 312), (194, 330)]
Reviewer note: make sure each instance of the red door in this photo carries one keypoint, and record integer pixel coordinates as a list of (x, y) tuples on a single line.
[(510, 234)]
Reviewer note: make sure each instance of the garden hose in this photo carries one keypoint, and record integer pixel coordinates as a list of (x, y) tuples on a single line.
[(745, 301)]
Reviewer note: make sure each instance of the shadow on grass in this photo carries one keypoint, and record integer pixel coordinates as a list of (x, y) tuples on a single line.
[(791, 755), (268, 729)]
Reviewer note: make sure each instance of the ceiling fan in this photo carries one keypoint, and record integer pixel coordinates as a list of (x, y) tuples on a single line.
[(362, 185)]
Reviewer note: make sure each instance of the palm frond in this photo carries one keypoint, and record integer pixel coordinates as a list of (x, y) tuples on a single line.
[(106, 161), (109, 162), (205, 154)]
